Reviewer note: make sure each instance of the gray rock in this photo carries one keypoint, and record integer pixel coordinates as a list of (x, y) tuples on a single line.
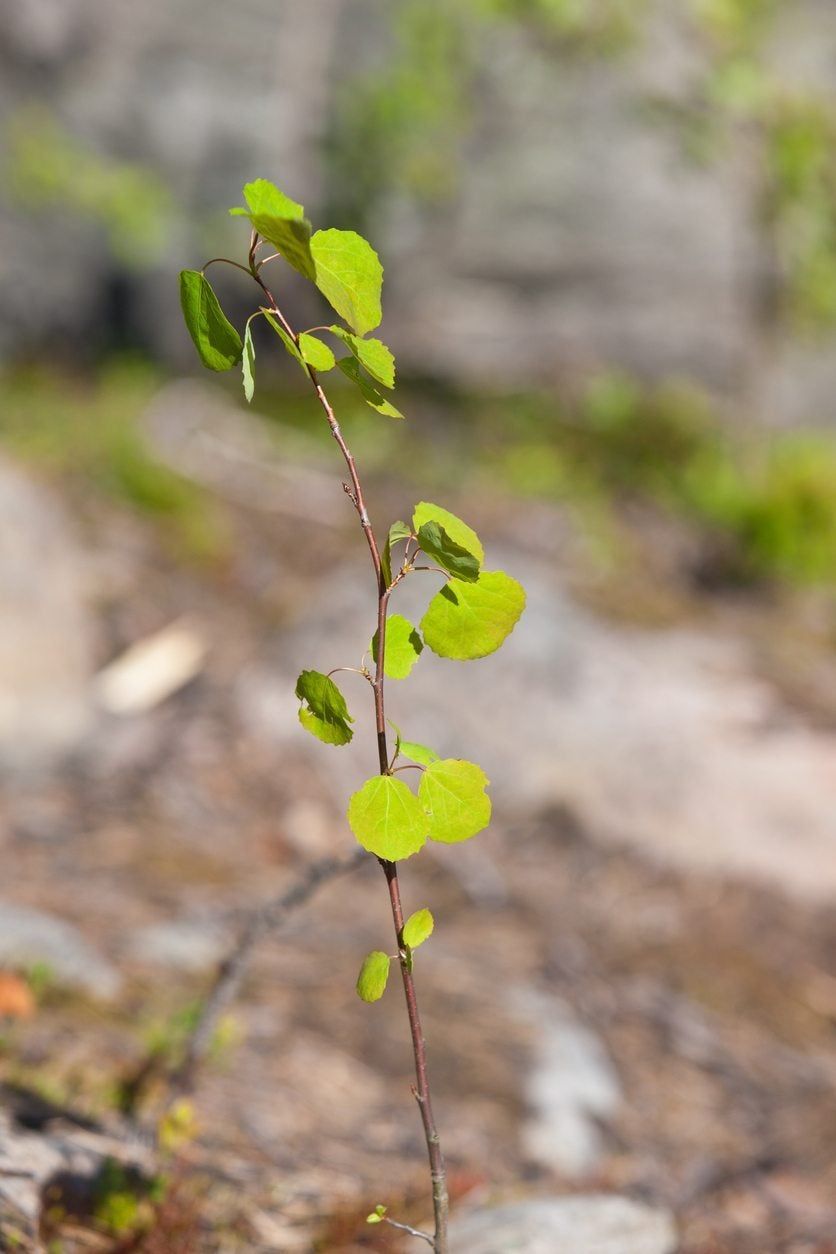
[(581, 232), (597, 1224), (45, 627), (181, 945), (29, 936), (569, 1087)]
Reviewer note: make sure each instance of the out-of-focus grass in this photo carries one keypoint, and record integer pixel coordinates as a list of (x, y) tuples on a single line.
[(764, 504), (88, 431), (770, 500)]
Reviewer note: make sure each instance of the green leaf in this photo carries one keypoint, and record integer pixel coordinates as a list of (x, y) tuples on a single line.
[(289, 343), (403, 647), (416, 752), (373, 354), (453, 794), (350, 277), (281, 222), (370, 394), (470, 620), (418, 928), (315, 353), (248, 362), (371, 982), (325, 713), (455, 528), (215, 338), (377, 1215), (387, 819), (438, 545), (397, 532)]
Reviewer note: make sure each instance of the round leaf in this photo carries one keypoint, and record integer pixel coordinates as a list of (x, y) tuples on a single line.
[(387, 819), (453, 794), (418, 928), (470, 620), (403, 647), (371, 982), (215, 338), (455, 528)]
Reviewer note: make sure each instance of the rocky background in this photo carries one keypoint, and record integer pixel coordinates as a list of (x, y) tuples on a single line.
[(607, 235)]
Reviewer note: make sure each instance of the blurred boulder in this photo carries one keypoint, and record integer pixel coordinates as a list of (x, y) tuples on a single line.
[(45, 628), (582, 1225), (579, 232), (571, 1086)]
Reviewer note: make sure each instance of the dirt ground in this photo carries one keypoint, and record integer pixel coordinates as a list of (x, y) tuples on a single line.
[(716, 1000)]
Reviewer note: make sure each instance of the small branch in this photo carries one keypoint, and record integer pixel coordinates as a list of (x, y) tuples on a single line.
[(228, 979), (233, 968), (413, 1232)]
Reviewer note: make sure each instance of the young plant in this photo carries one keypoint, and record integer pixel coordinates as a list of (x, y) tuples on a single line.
[(468, 617)]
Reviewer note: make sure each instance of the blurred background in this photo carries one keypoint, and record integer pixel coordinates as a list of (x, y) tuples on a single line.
[(609, 236)]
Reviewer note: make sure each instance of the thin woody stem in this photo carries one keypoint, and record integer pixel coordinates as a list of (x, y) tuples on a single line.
[(421, 1089)]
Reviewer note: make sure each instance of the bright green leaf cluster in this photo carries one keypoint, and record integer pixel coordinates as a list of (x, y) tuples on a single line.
[(343, 266), (391, 822), (377, 1216)]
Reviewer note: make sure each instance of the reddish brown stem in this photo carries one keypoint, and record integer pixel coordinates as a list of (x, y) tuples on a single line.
[(421, 1089)]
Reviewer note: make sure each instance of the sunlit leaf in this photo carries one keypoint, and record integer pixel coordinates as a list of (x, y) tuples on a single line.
[(453, 794), (371, 982), (416, 752), (215, 338), (403, 647), (280, 221), (315, 353), (387, 818), (372, 354), (368, 391), (418, 928), (350, 277), (470, 620)]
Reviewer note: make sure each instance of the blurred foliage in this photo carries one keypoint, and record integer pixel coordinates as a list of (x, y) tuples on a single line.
[(765, 505), (90, 431), (399, 126), (794, 135), (770, 503), (48, 168)]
